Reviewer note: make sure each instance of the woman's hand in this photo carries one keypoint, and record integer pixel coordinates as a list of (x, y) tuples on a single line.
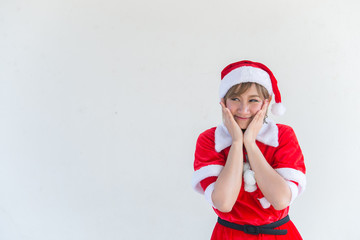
[(230, 123), (255, 125)]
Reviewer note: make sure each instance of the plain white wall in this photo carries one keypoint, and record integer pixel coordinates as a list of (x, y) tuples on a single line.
[(102, 101)]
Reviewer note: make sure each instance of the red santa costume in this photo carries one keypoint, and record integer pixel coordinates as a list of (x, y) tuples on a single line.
[(279, 146)]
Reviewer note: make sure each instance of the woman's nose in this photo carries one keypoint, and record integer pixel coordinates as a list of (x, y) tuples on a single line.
[(243, 108)]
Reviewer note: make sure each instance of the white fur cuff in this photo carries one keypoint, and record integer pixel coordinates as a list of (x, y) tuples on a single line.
[(294, 191), (294, 175), (208, 193), (202, 173)]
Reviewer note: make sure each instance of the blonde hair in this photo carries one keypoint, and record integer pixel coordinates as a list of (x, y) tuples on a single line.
[(240, 88)]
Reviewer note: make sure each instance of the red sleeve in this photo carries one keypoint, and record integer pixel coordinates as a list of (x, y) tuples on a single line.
[(208, 163), (289, 160), (288, 154)]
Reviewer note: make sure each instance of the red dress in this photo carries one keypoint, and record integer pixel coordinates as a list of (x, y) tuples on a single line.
[(279, 145)]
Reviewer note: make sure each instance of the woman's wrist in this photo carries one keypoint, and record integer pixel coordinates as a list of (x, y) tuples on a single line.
[(250, 145), (237, 142)]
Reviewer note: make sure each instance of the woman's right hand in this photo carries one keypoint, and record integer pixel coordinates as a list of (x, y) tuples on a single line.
[(230, 123)]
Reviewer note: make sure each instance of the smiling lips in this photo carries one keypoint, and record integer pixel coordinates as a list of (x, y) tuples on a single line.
[(241, 118)]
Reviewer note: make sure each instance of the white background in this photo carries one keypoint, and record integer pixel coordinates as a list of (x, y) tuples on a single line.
[(101, 103)]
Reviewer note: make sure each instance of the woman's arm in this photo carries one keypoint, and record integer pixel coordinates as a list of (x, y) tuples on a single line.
[(228, 183), (272, 185)]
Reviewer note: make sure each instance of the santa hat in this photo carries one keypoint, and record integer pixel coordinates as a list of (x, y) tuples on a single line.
[(248, 71)]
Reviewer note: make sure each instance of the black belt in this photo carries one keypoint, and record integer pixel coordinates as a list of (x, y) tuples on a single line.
[(255, 230)]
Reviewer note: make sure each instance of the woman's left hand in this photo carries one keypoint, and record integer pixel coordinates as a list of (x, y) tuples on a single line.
[(255, 125)]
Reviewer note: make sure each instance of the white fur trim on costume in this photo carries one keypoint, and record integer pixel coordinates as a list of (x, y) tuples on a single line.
[(245, 74), (246, 166), (264, 202), (202, 173), (208, 192), (294, 191), (278, 109), (268, 134), (291, 174), (250, 188), (249, 177), (223, 138)]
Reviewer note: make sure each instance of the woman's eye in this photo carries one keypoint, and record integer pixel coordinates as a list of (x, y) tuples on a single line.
[(235, 99), (254, 100)]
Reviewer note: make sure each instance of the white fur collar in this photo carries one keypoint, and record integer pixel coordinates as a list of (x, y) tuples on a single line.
[(268, 135)]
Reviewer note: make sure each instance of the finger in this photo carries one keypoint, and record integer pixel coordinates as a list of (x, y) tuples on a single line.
[(263, 109), (259, 116), (222, 103), (224, 108), (265, 105), (228, 114), (225, 113)]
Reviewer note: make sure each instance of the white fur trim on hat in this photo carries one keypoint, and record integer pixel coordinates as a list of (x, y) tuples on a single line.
[(278, 109), (245, 74)]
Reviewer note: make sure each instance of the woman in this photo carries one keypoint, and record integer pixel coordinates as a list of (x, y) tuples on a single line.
[(249, 168)]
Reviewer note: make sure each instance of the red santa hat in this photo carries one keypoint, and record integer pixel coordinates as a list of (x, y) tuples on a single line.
[(248, 71)]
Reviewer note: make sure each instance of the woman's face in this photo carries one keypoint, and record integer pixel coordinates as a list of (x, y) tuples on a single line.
[(245, 106)]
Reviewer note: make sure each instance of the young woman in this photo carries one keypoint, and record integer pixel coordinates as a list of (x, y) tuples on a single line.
[(249, 168)]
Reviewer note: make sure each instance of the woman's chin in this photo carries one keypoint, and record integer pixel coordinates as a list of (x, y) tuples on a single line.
[(243, 126)]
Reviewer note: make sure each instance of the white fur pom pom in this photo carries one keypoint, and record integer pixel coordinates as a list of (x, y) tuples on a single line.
[(246, 166), (250, 188), (264, 202), (249, 177), (278, 109)]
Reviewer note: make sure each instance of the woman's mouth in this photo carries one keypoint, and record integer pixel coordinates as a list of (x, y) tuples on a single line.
[(241, 118)]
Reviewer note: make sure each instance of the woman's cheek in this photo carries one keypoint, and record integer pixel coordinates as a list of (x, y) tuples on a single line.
[(256, 108), (231, 107)]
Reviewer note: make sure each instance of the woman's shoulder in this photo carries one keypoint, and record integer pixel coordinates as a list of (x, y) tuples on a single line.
[(283, 127), (285, 131), (207, 138), (208, 133)]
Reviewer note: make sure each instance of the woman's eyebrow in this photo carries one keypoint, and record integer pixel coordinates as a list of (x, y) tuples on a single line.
[(254, 96)]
